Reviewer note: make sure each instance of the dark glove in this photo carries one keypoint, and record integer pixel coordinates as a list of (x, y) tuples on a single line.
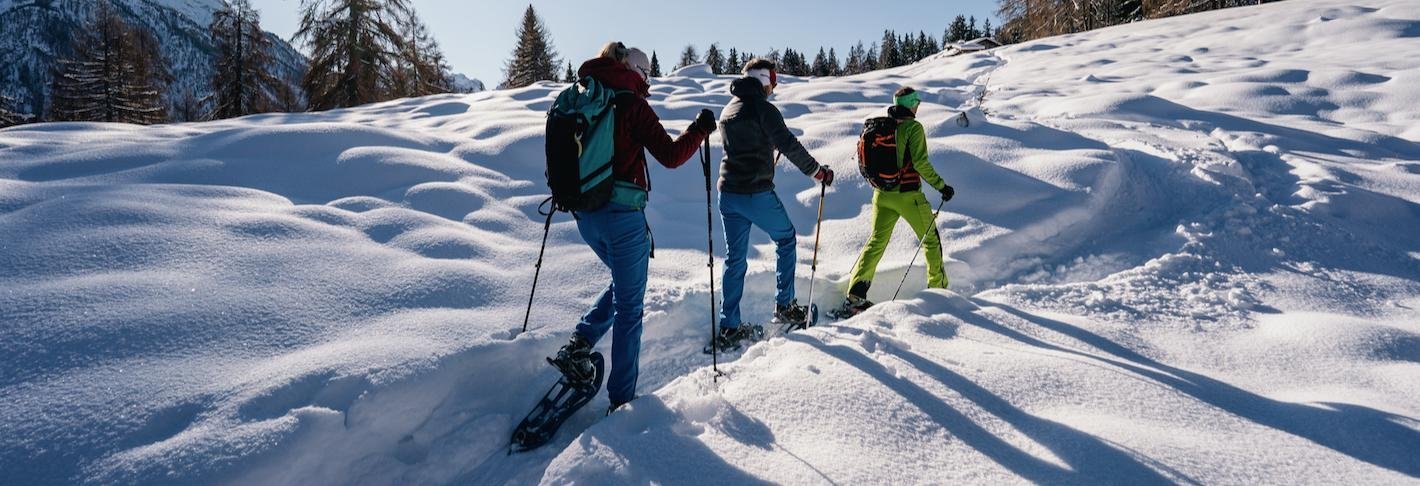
[(705, 122), (824, 175), (947, 193)]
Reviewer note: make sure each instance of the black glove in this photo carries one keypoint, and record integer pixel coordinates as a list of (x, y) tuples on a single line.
[(705, 122), (824, 175), (947, 192)]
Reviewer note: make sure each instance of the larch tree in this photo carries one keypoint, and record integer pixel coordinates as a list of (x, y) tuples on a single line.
[(242, 83), (115, 75), (688, 56)]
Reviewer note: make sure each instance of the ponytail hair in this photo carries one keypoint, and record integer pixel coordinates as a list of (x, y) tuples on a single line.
[(615, 51)]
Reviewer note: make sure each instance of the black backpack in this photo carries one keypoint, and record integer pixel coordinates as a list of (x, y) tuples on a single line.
[(580, 127), (877, 153)]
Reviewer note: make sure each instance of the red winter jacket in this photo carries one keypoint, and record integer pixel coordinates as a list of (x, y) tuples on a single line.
[(637, 126)]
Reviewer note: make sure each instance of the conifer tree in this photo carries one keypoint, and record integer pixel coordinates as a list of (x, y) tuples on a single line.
[(9, 116), (774, 56), (534, 58), (242, 83), (422, 68), (571, 75), (854, 64), (958, 30), (689, 56), (971, 32), (986, 29), (870, 60), (820, 66), (733, 65), (908, 45), (655, 65), (715, 59), (891, 55), (834, 68), (115, 75)]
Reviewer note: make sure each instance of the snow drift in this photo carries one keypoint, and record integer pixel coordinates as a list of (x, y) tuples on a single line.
[(1181, 251)]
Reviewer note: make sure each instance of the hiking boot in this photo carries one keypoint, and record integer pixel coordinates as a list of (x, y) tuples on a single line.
[(852, 306), (731, 338), (791, 313), (574, 360), (614, 406)]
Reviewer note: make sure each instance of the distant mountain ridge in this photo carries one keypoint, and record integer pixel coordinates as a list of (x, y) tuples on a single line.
[(35, 33)]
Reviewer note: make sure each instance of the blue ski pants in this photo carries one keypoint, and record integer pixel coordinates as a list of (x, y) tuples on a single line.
[(738, 212), (619, 236)]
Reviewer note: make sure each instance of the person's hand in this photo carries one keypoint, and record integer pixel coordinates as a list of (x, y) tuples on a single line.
[(947, 193), (705, 122), (824, 175)]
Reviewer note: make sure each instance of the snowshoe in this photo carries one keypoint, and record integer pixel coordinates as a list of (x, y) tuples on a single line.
[(852, 306), (574, 359), (733, 338), (791, 317), (565, 398)]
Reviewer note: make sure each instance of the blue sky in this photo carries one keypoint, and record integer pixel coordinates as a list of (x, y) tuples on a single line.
[(477, 35)]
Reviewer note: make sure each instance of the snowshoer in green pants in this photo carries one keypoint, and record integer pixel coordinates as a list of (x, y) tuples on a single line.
[(904, 201)]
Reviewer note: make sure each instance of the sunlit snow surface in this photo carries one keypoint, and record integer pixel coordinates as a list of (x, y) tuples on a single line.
[(1184, 250)]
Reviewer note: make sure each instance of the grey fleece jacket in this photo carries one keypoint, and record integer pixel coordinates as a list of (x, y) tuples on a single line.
[(751, 129)]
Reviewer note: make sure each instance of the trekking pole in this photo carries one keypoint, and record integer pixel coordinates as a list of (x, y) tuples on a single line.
[(710, 255), (546, 227), (919, 249), (813, 264)]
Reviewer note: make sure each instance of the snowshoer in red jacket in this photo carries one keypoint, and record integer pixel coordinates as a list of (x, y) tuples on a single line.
[(617, 232)]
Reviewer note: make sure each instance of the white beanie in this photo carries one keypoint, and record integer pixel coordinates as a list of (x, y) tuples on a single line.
[(636, 60)]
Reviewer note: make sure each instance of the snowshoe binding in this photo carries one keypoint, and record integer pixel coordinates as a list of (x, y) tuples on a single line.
[(734, 338), (852, 306), (791, 317), (582, 375)]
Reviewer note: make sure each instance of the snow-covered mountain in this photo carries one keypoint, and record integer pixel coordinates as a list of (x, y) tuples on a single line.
[(33, 33), (1181, 251), (465, 84)]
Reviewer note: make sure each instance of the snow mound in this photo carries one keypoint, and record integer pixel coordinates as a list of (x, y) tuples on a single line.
[(694, 71), (1181, 250)]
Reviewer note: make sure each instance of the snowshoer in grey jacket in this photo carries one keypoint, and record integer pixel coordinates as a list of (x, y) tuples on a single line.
[(751, 130)]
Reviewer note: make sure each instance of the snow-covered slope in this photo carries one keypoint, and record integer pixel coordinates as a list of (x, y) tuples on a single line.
[(1181, 250), (34, 33)]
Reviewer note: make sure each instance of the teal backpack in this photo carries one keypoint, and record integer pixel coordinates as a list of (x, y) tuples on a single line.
[(580, 128)]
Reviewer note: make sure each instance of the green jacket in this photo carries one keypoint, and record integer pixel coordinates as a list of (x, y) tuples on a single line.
[(912, 150)]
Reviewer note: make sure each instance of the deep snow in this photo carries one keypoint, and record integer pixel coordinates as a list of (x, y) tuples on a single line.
[(1182, 250)]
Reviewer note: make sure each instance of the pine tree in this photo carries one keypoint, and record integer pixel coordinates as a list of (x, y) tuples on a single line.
[(533, 57), (986, 29), (909, 45), (688, 56), (854, 63), (242, 83), (774, 57), (834, 68), (655, 65), (732, 62), (715, 59), (870, 60), (929, 44), (890, 56), (820, 66), (115, 74), (958, 30), (971, 32), (570, 76)]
